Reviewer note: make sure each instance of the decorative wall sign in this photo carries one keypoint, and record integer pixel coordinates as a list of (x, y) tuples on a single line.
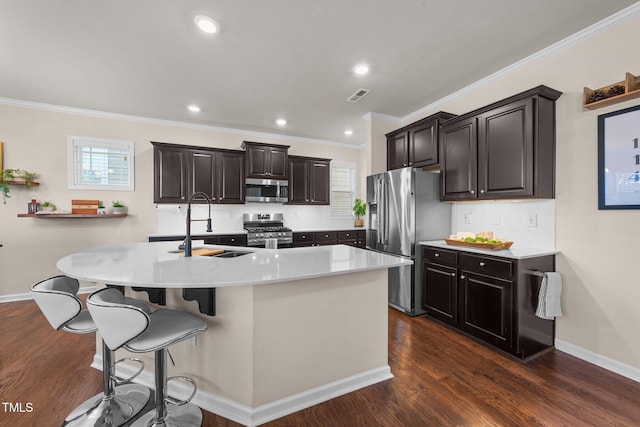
[(619, 159)]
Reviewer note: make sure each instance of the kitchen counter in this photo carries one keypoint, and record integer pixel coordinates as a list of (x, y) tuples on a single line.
[(515, 252), (158, 265), (292, 327)]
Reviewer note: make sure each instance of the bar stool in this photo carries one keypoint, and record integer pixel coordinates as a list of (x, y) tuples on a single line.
[(120, 401), (124, 325)]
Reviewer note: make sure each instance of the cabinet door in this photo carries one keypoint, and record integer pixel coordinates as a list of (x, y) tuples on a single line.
[(298, 181), (505, 151), (440, 292), (170, 175), (423, 145), (487, 308), (231, 177), (257, 158), (202, 174), (277, 165), (397, 154), (459, 160), (319, 185)]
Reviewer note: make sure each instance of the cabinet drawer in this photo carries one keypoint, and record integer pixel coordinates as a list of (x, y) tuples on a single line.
[(490, 266), (233, 240), (347, 235), (304, 238), (326, 237), (442, 256)]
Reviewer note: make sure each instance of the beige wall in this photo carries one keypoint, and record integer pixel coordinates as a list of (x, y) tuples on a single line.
[(598, 259), (36, 140)]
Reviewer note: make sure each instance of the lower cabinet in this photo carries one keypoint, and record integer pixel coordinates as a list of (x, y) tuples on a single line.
[(355, 238), (491, 298)]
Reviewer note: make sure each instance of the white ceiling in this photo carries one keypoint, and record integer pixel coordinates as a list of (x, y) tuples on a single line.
[(272, 58)]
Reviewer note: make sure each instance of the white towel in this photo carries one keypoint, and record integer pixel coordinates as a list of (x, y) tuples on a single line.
[(550, 296)]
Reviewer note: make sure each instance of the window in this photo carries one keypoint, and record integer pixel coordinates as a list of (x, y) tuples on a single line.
[(100, 164), (343, 188)]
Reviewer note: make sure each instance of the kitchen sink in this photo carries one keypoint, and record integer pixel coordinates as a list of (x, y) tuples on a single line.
[(231, 254)]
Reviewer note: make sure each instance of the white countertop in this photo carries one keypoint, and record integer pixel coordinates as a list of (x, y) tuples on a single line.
[(154, 265), (515, 252)]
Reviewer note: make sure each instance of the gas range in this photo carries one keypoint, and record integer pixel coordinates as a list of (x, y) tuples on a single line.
[(263, 226)]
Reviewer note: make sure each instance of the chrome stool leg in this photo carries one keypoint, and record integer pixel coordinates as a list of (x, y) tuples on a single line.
[(113, 407), (183, 414)]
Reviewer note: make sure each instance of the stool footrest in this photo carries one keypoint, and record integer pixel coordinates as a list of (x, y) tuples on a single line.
[(121, 381), (182, 402)]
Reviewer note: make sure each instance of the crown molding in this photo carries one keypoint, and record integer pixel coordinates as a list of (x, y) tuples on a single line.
[(597, 28)]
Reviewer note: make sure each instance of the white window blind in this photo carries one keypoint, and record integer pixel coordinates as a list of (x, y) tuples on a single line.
[(343, 187), (100, 164)]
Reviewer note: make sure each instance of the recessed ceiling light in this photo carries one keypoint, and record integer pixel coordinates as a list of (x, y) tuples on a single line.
[(206, 24), (193, 108), (281, 122), (361, 69), (348, 132)]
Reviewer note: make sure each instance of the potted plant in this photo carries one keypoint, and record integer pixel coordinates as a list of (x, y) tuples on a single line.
[(359, 209), (101, 209), (14, 176), (118, 208), (48, 206)]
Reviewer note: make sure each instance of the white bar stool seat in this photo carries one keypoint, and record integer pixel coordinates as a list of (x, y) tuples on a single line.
[(124, 325), (120, 401)]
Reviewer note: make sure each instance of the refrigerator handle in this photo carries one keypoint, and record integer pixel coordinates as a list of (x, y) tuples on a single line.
[(385, 218), (381, 202)]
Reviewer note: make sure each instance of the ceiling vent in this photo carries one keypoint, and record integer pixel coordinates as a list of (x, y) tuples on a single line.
[(358, 95)]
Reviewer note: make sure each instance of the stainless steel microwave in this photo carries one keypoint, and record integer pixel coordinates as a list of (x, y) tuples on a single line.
[(267, 190)]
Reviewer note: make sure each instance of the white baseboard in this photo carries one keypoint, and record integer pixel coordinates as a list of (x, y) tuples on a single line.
[(251, 417), (599, 360), (27, 296)]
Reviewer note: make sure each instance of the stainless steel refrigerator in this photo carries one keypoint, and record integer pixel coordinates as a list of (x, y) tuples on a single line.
[(404, 208)]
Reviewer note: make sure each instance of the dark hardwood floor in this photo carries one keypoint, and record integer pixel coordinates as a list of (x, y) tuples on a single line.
[(441, 378)]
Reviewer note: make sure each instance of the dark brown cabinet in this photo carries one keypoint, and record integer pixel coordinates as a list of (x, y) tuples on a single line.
[(169, 174), (416, 145), (501, 151), (489, 297), (266, 161), (309, 180), (180, 171), (355, 238)]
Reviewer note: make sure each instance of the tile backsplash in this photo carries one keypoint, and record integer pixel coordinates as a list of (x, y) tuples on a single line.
[(526, 223), (228, 218)]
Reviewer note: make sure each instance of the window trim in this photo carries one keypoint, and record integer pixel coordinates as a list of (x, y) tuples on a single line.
[(75, 141)]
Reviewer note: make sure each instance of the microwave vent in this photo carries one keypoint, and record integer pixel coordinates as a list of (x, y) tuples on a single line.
[(358, 95)]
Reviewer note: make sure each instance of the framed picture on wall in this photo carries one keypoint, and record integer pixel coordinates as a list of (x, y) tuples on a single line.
[(619, 159)]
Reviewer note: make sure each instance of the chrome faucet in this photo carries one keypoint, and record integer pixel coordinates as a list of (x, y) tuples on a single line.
[(187, 240)]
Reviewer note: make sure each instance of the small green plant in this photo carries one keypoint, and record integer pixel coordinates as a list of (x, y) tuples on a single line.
[(5, 191), (100, 205), (8, 176), (48, 204), (117, 204), (359, 208)]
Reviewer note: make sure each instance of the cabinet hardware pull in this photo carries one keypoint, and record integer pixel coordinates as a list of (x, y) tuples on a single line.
[(462, 276), (481, 191), (481, 264), (472, 192), (453, 274), (437, 255)]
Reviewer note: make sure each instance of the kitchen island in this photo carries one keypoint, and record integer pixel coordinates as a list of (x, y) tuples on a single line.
[(293, 327)]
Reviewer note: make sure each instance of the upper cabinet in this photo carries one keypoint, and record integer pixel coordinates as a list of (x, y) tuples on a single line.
[(417, 144), (309, 180), (266, 161), (181, 170), (501, 151)]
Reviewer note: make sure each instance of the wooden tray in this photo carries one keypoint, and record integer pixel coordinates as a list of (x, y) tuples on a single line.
[(477, 245), (204, 252)]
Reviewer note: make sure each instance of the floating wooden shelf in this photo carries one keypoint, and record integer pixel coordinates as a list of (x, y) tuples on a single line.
[(29, 183), (631, 86), (70, 215)]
